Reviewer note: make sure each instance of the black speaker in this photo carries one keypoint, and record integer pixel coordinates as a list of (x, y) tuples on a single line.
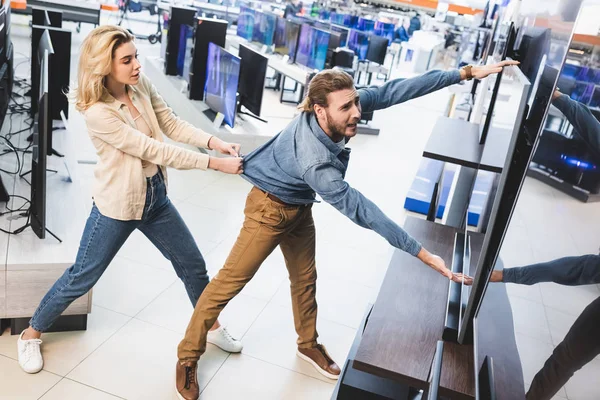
[(179, 16), (207, 31), (342, 57)]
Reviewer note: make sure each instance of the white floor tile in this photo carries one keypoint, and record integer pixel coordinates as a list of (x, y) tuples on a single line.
[(272, 338), (67, 389), (533, 354), (584, 385), (127, 287), (339, 300), (530, 319), (172, 310), (139, 363), (63, 351), (18, 385), (259, 380), (559, 323), (569, 299)]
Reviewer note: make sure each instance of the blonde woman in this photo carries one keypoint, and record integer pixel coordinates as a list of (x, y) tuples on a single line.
[(126, 119)]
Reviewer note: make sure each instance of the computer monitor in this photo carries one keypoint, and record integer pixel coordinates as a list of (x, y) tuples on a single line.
[(39, 148), (377, 49), (359, 43), (335, 41), (320, 46), (253, 70), (303, 53), (222, 78)]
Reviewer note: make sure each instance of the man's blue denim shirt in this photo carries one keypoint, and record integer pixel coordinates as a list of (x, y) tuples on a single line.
[(302, 160)]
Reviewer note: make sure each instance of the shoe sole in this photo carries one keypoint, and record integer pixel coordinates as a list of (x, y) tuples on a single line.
[(232, 352), (179, 396), (316, 366)]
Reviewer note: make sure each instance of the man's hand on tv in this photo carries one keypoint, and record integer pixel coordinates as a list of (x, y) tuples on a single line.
[(481, 71), (437, 263)]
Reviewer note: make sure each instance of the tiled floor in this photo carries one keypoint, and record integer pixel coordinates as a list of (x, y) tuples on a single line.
[(140, 308)]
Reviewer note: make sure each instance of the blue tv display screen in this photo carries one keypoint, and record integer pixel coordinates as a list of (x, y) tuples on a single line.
[(336, 18), (303, 53), (366, 25), (386, 30), (245, 26), (264, 28), (222, 78), (351, 21), (320, 43), (359, 43), (280, 37), (344, 33)]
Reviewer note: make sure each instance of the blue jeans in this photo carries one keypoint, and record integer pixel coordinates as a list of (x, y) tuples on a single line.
[(103, 237)]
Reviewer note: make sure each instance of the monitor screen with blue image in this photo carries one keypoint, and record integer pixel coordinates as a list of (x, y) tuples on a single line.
[(385, 29), (279, 37), (264, 28), (359, 43), (245, 25), (320, 44), (595, 101), (582, 92), (366, 25), (336, 18), (184, 54), (351, 21), (222, 77), (324, 15), (303, 53), (344, 32)]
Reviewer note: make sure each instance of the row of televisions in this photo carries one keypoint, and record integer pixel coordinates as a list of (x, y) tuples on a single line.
[(308, 42)]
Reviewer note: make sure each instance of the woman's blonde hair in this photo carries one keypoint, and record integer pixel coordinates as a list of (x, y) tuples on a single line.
[(95, 63)]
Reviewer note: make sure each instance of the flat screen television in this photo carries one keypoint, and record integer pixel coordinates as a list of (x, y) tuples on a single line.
[(343, 31), (253, 71), (222, 78), (359, 43), (366, 25), (264, 28), (286, 38), (377, 49), (320, 46), (336, 18), (351, 21), (554, 47), (39, 149), (245, 23), (506, 35), (303, 53), (385, 29)]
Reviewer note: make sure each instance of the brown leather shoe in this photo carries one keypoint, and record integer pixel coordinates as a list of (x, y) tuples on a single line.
[(187, 380), (320, 359)]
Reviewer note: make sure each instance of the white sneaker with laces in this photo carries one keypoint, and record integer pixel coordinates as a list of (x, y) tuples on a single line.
[(30, 356), (221, 338)]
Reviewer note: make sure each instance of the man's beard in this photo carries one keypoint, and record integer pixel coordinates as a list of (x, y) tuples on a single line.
[(337, 130)]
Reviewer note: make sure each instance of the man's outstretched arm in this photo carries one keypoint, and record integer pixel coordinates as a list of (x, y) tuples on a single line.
[(398, 91), (571, 271), (328, 182)]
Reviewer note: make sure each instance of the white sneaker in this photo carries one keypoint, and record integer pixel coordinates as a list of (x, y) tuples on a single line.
[(221, 338), (30, 356)]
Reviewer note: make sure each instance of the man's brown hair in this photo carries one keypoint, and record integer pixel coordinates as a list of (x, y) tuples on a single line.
[(325, 82)]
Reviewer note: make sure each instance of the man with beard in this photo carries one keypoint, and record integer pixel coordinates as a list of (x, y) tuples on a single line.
[(308, 157)]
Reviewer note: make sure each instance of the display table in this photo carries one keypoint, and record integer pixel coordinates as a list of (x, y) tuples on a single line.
[(400, 335), (31, 265)]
